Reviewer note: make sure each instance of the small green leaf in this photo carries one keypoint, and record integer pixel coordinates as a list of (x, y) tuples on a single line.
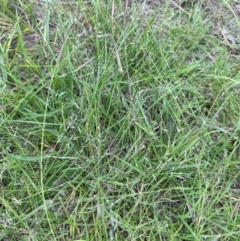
[(28, 158)]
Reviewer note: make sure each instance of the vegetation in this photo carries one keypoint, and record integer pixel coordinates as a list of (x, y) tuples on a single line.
[(119, 121)]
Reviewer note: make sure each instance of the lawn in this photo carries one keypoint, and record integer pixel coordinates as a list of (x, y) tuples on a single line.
[(119, 120)]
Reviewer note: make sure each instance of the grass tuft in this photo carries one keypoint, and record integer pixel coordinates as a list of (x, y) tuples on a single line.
[(119, 120)]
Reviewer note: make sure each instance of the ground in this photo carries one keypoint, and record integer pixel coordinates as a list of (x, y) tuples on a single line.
[(119, 120)]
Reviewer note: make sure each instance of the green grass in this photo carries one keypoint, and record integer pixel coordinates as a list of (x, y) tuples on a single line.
[(119, 122)]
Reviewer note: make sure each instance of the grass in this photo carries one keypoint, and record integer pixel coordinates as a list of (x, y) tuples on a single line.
[(119, 122)]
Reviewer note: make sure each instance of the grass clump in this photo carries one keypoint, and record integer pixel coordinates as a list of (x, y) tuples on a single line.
[(118, 123)]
